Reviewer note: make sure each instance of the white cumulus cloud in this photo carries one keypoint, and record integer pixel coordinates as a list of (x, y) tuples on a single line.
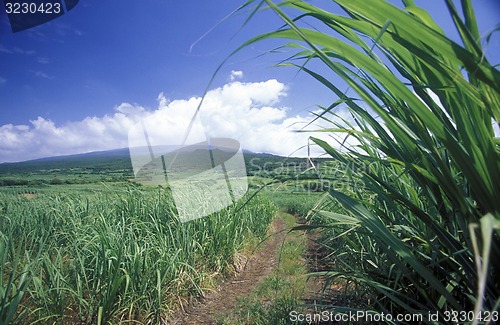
[(236, 74), (247, 112)]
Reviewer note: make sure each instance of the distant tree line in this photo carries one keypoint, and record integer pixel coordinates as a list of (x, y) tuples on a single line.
[(57, 181)]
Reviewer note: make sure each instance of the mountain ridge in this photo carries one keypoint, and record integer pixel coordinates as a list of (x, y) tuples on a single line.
[(106, 159)]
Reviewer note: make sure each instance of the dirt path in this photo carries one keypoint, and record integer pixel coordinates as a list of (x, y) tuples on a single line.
[(255, 270), (316, 292), (320, 294)]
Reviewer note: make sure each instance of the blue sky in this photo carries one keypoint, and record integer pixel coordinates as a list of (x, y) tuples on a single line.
[(103, 55)]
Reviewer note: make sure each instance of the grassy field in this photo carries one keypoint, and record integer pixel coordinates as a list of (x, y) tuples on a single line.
[(103, 250), (112, 253)]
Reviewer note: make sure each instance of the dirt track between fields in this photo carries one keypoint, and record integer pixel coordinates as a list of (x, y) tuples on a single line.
[(257, 267)]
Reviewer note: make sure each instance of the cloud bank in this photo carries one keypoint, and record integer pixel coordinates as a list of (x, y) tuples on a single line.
[(247, 112)]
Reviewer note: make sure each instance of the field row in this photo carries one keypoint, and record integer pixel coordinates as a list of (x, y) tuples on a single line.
[(113, 255)]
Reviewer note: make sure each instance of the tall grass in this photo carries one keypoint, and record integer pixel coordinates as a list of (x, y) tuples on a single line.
[(426, 171), (113, 256), (295, 203)]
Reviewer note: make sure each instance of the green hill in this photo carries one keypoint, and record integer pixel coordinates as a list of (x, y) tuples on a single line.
[(115, 165)]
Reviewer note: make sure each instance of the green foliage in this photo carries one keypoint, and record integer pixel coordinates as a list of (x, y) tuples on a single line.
[(298, 204), (14, 279), (422, 170), (99, 257)]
